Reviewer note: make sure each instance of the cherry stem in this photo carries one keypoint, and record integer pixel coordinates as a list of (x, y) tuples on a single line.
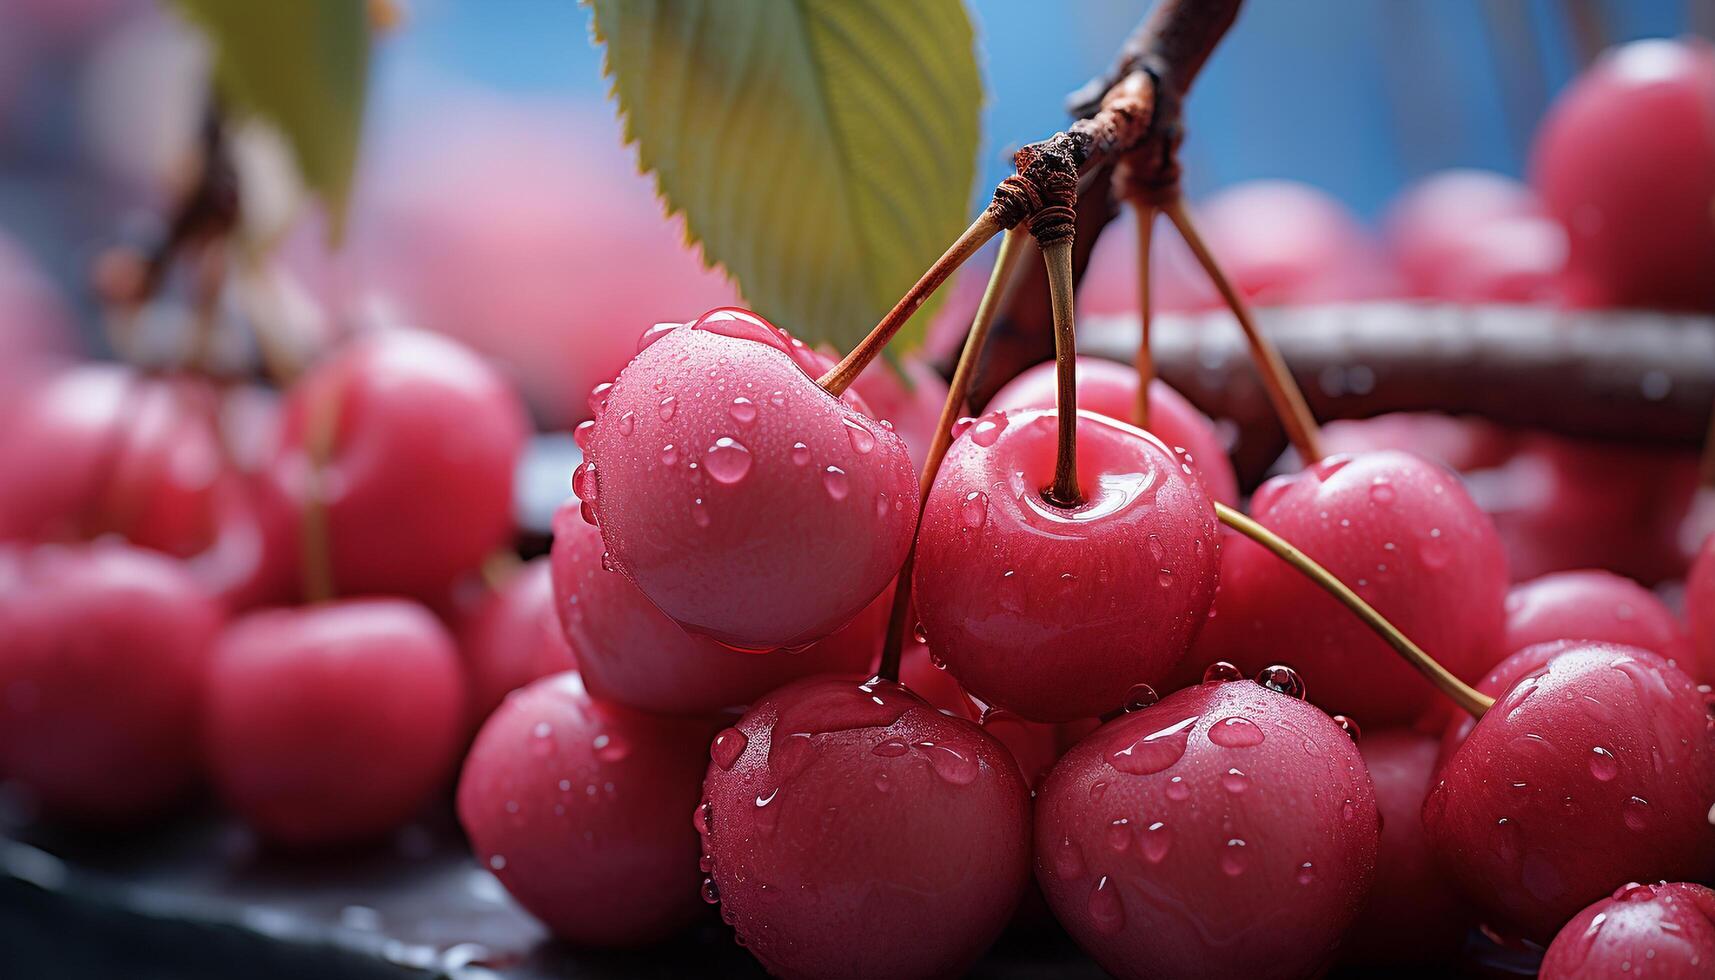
[(1145, 213), (315, 551), (1064, 492), (1464, 695), (841, 375), (1283, 391), (1012, 247)]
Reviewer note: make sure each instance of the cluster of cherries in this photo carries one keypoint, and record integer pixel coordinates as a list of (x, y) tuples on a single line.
[(693, 671)]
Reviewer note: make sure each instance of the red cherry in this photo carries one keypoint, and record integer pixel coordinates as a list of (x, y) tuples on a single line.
[(851, 830), (1664, 931), (1472, 236), (1700, 609), (102, 653), (1626, 160), (578, 806), (632, 654), (909, 398), (1593, 769), (1593, 605), (1188, 838), (418, 479), (336, 722), (1109, 388), (742, 499), (1458, 443), (1413, 915), (1057, 613), (1403, 533), (512, 638)]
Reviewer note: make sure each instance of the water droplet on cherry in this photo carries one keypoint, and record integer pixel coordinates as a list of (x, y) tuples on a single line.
[(1282, 679)]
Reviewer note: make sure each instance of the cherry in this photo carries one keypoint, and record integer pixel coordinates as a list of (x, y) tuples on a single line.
[(333, 723), (102, 653), (746, 502), (1473, 236), (1109, 388), (501, 225), (1664, 931), (1593, 605), (1413, 914), (1594, 767), (908, 397), (851, 830), (1188, 838), (1052, 612), (511, 638), (1458, 443), (1406, 537), (578, 806), (630, 653), (1700, 609), (1626, 160), (417, 479)]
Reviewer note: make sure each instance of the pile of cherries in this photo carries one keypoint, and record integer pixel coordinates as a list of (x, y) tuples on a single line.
[(686, 703)]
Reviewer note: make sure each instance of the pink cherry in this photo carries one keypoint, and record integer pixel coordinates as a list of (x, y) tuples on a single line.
[(1593, 605), (1473, 236), (746, 502), (511, 638), (1664, 931), (1109, 388), (1188, 838), (1057, 613)]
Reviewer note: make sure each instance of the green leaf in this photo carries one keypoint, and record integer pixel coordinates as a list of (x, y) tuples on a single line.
[(823, 151), (302, 65)]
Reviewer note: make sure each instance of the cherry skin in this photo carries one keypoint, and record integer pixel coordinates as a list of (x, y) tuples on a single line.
[(1626, 160), (1593, 605), (333, 723), (1413, 915), (1110, 388), (511, 638), (103, 648), (630, 653), (1406, 537), (746, 502), (417, 483), (909, 398), (1592, 769), (1473, 236), (1187, 838), (851, 830), (1700, 609), (1664, 931), (1057, 613), (578, 806)]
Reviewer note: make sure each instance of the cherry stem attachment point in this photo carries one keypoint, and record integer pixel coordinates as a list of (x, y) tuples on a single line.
[(841, 375), (1145, 362), (1465, 696), (1012, 248), (1064, 491), (1283, 391)]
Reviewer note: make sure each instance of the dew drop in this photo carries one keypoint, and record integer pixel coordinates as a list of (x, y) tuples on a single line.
[(1636, 814), (1348, 811), (1178, 790), (610, 748), (497, 862), (584, 481), (1382, 492), (1140, 696), (711, 891), (1156, 751), (727, 747), (1098, 789), (834, 481), (1164, 576), (598, 398), (1349, 726), (882, 783), (1068, 860), (881, 504), (949, 763), (667, 406), (1221, 671), (628, 423), (800, 454), (863, 440), (1107, 912), (703, 818), (1155, 841), (1119, 833), (743, 410), (608, 564), (1156, 549), (669, 454), (973, 513), (581, 434), (1235, 781), (987, 430), (1235, 733), (1603, 765), (727, 460), (1306, 873), (699, 513), (763, 799), (706, 863), (1282, 679), (1234, 861), (891, 748)]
